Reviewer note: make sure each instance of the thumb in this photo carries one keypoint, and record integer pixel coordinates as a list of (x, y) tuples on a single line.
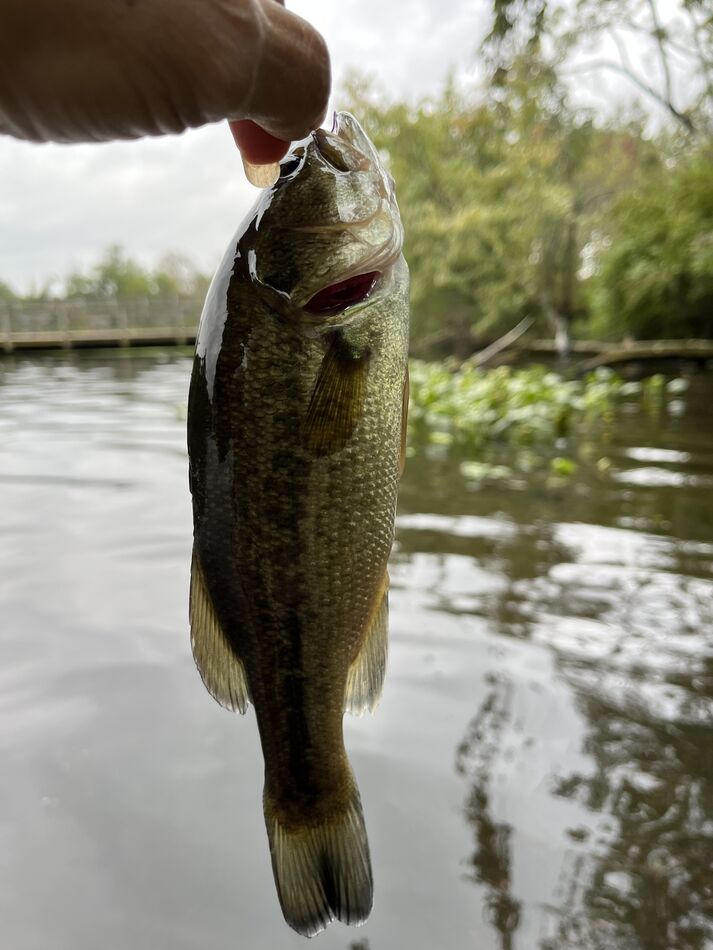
[(256, 145), (289, 91), (92, 71)]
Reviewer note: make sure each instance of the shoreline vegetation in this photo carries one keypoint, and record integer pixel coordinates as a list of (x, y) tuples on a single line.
[(461, 409)]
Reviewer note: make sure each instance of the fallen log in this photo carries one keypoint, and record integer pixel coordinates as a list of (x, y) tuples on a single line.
[(698, 350)]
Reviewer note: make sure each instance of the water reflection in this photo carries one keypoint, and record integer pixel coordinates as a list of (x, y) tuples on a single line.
[(492, 858), (628, 618), (539, 773)]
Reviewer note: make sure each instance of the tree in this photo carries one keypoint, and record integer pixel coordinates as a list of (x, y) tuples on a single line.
[(7, 294), (500, 193), (117, 275), (655, 271), (621, 36), (176, 275)]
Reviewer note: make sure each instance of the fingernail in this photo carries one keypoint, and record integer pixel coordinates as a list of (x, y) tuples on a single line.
[(262, 176)]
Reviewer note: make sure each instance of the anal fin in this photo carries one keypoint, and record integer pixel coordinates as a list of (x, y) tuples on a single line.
[(221, 670), (365, 678)]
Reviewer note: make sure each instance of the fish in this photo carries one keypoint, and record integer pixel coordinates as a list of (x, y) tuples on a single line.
[(297, 417)]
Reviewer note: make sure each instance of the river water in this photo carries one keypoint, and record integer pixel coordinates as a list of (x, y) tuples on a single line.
[(538, 775)]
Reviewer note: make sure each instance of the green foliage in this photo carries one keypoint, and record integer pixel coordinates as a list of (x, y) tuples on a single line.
[(468, 409), (562, 467), (515, 203), (498, 200), (676, 36), (7, 294), (115, 275), (498, 423), (118, 276), (655, 276)]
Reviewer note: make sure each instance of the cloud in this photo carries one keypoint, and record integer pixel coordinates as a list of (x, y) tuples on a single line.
[(62, 205)]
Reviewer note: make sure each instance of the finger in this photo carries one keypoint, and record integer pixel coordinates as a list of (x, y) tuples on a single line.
[(255, 144), (92, 71), (290, 88)]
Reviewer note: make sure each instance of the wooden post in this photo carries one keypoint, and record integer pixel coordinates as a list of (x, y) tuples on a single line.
[(180, 337), (59, 312), (6, 324), (123, 321)]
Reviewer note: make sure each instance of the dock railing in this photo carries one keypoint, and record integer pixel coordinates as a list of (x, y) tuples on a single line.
[(64, 324)]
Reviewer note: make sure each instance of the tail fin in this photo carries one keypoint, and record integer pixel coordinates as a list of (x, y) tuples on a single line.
[(322, 871)]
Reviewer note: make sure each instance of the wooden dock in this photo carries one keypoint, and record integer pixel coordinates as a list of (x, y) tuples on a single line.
[(173, 321), (70, 324)]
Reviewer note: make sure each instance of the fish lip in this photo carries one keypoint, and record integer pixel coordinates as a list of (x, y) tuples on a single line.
[(338, 154)]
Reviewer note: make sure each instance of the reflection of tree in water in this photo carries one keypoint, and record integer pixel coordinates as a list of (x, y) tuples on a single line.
[(647, 882), (491, 859), (652, 884), (630, 633)]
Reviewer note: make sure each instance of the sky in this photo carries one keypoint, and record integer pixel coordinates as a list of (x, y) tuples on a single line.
[(62, 206)]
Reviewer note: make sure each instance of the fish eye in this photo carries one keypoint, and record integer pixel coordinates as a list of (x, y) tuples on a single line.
[(290, 165)]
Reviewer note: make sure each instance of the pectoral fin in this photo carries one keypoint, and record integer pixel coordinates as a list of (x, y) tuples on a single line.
[(365, 678), (337, 398), (221, 670)]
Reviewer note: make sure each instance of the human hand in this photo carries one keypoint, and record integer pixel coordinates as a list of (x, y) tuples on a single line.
[(96, 70)]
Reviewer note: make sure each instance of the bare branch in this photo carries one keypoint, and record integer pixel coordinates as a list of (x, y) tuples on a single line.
[(705, 62), (634, 27), (632, 77), (660, 34), (479, 359), (622, 51)]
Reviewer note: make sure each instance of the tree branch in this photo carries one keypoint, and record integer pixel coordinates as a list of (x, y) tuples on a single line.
[(705, 62), (479, 359), (659, 34), (632, 77)]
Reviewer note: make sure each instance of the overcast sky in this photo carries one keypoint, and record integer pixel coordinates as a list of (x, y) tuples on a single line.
[(61, 206)]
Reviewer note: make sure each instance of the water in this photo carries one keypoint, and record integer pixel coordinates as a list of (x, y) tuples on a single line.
[(539, 773)]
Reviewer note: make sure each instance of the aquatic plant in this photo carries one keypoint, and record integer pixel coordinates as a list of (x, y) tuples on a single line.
[(469, 408), (470, 412)]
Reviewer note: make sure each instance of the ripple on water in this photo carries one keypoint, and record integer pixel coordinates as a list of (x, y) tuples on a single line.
[(539, 773)]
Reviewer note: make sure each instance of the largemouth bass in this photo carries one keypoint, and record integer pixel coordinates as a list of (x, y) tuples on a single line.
[(296, 428)]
